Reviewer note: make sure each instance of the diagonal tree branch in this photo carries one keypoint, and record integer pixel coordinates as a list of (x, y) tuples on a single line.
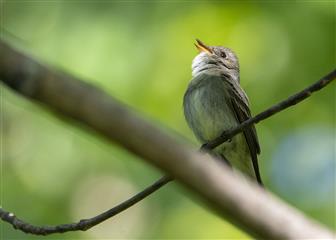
[(219, 187)]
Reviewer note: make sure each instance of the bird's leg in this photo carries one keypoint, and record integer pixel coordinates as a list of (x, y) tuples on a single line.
[(224, 135)]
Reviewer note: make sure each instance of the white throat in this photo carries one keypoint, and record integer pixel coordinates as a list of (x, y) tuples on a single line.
[(203, 64)]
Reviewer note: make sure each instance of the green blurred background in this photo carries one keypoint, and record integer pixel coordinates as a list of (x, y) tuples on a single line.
[(141, 52)]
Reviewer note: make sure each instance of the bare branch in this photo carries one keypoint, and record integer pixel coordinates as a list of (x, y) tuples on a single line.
[(260, 214), (83, 224)]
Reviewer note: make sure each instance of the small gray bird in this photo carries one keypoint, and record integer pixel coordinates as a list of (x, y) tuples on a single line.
[(214, 102)]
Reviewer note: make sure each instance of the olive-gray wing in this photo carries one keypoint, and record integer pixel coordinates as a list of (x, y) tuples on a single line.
[(241, 109)]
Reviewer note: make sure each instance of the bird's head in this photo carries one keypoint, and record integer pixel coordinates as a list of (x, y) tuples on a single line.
[(214, 58)]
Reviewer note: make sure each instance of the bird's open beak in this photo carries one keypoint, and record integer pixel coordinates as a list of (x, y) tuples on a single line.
[(202, 47)]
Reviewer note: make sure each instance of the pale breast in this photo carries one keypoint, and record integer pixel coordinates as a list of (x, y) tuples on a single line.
[(206, 108)]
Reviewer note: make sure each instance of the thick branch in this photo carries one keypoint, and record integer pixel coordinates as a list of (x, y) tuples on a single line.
[(259, 214)]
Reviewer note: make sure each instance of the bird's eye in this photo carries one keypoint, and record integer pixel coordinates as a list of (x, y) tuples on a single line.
[(223, 55)]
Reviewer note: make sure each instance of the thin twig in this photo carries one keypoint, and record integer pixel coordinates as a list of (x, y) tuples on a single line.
[(290, 101), (83, 224)]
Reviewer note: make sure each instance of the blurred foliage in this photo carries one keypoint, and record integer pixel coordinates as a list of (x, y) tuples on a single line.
[(141, 52)]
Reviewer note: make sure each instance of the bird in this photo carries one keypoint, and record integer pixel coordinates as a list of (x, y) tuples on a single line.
[(214, 102)]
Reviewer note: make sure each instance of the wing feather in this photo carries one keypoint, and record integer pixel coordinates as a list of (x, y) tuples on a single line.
[(241, 109)]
